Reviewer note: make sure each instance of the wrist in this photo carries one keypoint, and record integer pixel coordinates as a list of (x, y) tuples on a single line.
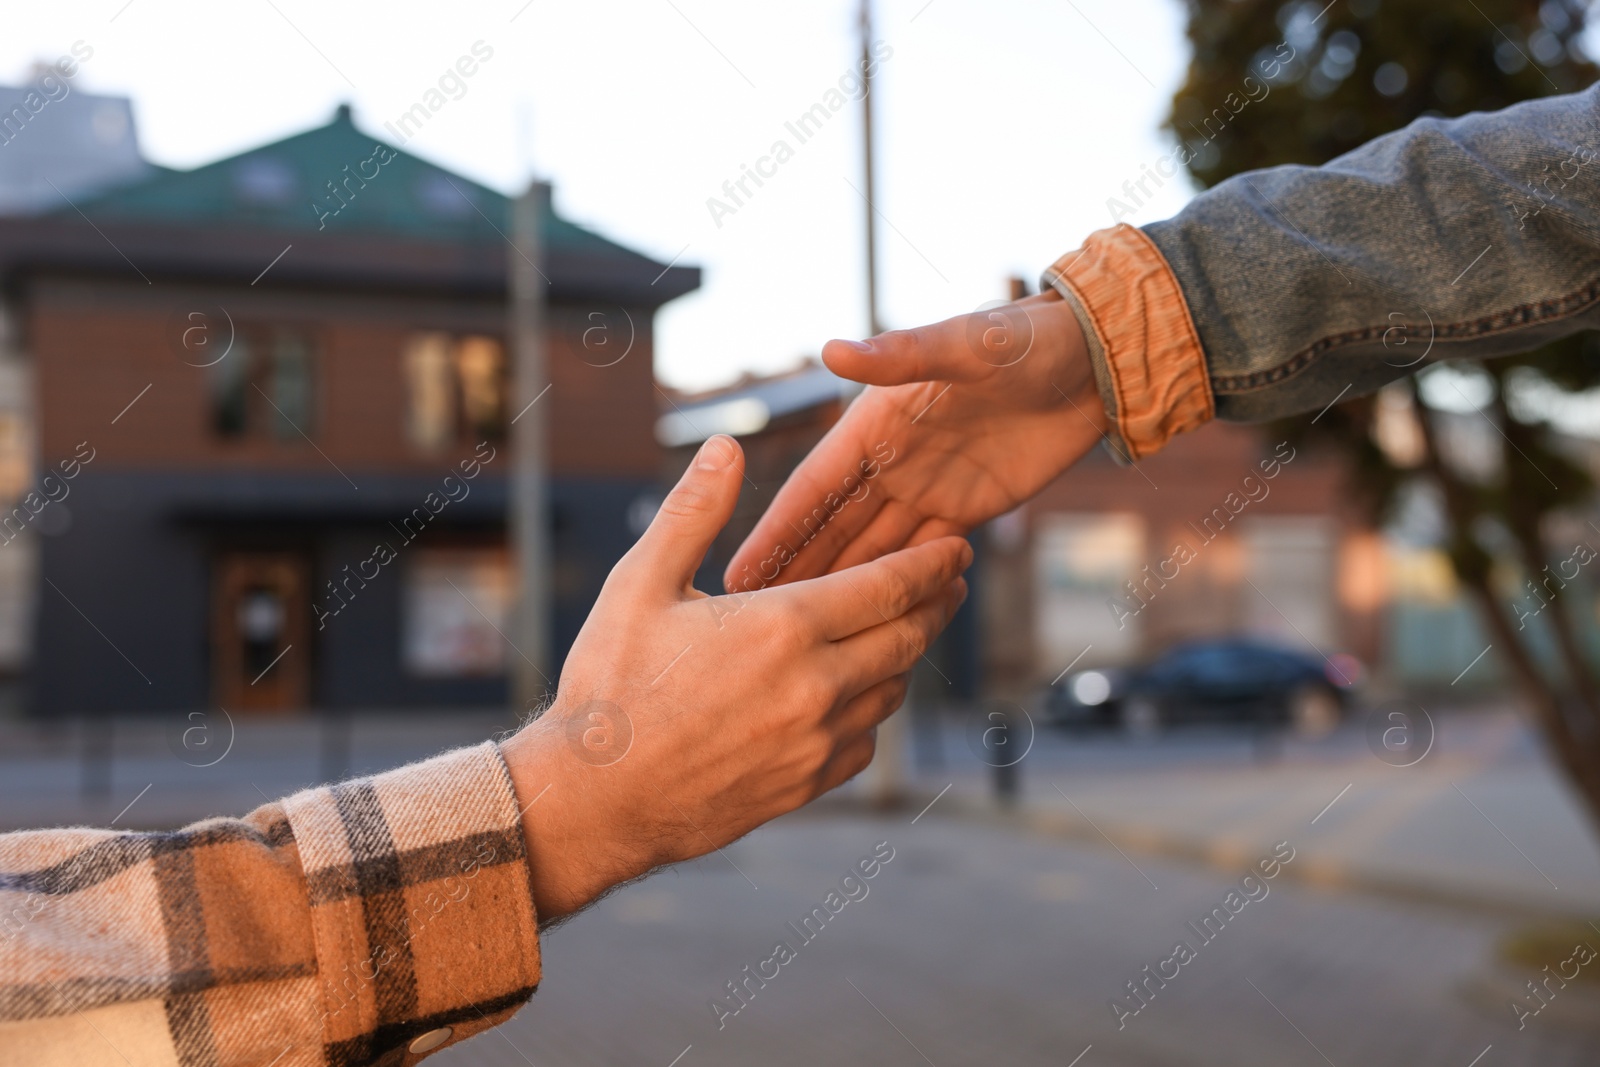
[(573, 788), (1140, 342), (1067, 345), (560, 854)]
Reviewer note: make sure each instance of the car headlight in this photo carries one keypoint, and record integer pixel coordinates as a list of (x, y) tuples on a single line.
[(1091, 688)]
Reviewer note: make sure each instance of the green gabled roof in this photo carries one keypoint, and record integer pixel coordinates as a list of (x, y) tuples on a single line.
[(285, 186)]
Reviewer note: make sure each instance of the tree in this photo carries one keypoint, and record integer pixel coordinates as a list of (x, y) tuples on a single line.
[(1350, 71)]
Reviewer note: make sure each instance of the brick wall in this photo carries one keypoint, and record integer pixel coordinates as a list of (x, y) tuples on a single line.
[(97, 346), (1168, 491)]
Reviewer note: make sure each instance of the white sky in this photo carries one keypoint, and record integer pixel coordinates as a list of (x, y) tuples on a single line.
[(1003, 128)]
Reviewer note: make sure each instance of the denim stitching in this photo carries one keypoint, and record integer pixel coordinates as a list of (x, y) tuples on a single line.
[(1522, 315)]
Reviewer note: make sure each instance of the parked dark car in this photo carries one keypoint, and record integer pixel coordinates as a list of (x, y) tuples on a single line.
[(1226, 680)]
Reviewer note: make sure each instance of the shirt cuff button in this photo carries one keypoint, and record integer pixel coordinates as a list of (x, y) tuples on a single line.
[(431, 1040)]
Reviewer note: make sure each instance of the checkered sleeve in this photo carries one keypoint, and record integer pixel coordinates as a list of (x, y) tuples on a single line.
[(373, 921)]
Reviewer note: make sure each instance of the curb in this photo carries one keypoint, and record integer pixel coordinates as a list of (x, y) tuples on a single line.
[(1231, 857)]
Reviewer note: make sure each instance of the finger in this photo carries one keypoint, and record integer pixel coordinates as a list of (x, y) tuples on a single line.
[(848, 762), (690, 518), (894, 645), (889, 532), (966, 348), (868, 708), (799, 535), (933, 529), (849, 601)]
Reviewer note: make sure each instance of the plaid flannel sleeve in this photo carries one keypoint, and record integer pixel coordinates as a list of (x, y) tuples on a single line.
[(373, 921)]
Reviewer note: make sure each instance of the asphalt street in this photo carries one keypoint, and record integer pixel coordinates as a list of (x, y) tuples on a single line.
[(978, 945), (994, 937)]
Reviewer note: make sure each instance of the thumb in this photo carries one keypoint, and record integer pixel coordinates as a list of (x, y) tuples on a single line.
[(690, 518), (963, 349)]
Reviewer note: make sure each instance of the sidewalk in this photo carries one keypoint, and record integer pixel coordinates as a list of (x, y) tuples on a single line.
[(1484, 821), (142, 774)]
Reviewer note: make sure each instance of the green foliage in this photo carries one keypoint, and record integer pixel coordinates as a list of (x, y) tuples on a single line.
[(1456, 56)]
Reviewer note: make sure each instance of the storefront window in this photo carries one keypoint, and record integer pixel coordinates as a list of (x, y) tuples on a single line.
[(455, 606)]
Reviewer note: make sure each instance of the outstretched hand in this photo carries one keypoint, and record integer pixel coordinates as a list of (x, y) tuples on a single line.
[(961, 421), (684, 721)]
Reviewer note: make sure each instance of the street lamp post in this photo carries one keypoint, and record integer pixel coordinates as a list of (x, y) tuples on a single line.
[(886, 777), (528, 517)]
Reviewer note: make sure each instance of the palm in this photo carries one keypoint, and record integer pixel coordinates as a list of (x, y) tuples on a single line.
[(941, 455), (978, 451)]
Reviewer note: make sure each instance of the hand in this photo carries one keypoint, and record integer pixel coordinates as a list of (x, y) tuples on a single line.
[(975, 414), (684, 721)]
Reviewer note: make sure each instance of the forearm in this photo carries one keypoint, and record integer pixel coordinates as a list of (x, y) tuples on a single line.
[(1471, 237), (340, 924)]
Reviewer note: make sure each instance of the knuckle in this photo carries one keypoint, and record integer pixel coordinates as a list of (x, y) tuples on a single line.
[(821, 752), (929, 627), (884, 661), (950, 562), (882, 664), (914, 641), (880, 656), (814, 755), (909, 647), (865, 749), (888, 658), (813, 696), (686, 502), (902, 339), (822, 692), (899, 592)]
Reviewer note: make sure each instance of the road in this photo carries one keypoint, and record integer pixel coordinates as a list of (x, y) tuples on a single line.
[(978, 945), (993, 938)]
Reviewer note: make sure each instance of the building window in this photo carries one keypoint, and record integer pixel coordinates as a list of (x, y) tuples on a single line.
[(456, 390), (230, 390), (16, 454), (1083, 563), (1292, 561), (265, 386), (430, 421), (455, 605)]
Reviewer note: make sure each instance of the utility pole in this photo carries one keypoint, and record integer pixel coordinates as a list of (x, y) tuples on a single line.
[(874, 324), (885, 778), (528, 510)]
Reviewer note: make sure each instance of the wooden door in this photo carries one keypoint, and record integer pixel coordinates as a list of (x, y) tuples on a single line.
[(260, 631)]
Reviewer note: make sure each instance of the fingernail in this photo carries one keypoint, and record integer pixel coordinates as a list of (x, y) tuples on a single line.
[(716, 454), (859, 346)]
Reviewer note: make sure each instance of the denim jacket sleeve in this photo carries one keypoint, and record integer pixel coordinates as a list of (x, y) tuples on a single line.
[(1283, 290)]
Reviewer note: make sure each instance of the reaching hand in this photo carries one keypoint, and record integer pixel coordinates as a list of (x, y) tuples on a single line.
[(684, 721), (961, 422)]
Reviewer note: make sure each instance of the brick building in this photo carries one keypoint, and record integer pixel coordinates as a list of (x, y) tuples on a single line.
[(1225, 532), (268, 370)]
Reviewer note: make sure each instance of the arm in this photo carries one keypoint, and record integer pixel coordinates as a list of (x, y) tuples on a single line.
[(1276, 292), (333, 926), (382, 918), (1463, 238)]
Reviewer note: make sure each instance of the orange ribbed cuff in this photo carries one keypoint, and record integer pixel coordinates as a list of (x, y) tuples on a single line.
[(1153, 358)]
